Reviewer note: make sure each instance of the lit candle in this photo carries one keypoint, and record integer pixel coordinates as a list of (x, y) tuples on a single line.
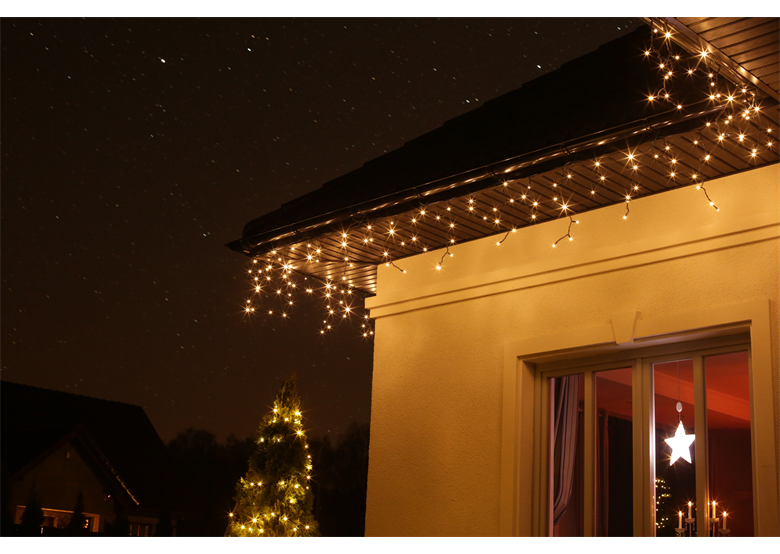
[(713, 509), (690, 505), (725, 515), (679, 523)]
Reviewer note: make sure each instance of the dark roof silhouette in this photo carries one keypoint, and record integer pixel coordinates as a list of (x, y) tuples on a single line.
[(33, 420), (597, 91)]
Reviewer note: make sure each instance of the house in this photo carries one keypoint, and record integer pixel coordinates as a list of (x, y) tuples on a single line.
[(574, 296), (59, 446)]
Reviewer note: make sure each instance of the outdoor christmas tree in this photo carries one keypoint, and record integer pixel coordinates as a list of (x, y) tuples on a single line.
[(275, 497)]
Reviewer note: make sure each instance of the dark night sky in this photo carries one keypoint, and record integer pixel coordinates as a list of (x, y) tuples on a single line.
[(134, 149)]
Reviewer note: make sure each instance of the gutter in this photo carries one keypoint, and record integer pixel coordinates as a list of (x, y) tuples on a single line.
[(518, 167)]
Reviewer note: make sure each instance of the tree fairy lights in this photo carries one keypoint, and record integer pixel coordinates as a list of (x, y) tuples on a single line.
[(274, 499), (734, 129)]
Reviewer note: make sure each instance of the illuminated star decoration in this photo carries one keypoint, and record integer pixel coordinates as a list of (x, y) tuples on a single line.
[(681, 445)]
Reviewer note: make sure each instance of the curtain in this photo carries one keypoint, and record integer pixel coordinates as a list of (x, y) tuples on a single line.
[(602, 474), (565, 440)]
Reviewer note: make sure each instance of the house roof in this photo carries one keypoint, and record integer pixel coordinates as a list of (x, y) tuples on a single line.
[(594, 108), (119, 436), (31, 450)]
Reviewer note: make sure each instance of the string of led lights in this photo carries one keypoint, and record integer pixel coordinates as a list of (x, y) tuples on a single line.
[(272, 520), (735, 118)]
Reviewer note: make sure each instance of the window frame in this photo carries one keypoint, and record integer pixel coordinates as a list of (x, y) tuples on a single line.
[(527, 363), (643, 426)]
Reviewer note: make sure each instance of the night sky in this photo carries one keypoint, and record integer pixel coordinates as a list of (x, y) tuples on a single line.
[(134, 149)]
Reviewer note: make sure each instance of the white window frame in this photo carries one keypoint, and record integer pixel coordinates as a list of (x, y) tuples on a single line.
[(636, 342)]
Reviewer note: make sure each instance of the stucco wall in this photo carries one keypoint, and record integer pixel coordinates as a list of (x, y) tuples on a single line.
[(434, 465)]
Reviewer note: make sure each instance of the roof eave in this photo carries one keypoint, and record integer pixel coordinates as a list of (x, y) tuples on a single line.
[(519, 166)]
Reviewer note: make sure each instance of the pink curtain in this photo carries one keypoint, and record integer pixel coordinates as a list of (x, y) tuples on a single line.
[(566, 398)]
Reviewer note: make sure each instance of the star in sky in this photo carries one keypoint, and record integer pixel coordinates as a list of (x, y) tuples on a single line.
[(681, 445)]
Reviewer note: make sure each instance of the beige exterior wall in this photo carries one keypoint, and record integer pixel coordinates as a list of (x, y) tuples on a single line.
[(436, 424)]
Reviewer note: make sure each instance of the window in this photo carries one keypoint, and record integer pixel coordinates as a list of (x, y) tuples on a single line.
[(593, 433), (723, 343)]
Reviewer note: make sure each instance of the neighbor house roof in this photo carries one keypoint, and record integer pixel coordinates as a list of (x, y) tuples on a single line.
[(594, 108), (119, 437)]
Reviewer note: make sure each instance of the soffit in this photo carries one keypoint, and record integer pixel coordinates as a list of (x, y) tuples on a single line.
[(749, 46)]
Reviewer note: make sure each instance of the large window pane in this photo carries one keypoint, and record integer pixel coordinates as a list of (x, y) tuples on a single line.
[(675, 476), (728, 440), (567, 395), (614, 454)]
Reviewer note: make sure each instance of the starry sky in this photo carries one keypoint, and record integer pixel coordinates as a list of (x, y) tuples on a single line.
[(134, 149)]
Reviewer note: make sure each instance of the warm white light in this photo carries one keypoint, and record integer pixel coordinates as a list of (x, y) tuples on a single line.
[(680, 444)]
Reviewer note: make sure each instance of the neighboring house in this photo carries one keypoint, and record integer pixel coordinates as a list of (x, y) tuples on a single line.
[(59, 446), (526, 384)]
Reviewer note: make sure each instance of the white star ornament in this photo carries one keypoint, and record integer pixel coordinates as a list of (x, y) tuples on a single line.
[(680, 444)]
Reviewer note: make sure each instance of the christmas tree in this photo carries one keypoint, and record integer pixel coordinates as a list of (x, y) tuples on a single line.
[(275, 497)]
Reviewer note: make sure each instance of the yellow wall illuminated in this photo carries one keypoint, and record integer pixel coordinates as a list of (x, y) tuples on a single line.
[(435, 454)]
